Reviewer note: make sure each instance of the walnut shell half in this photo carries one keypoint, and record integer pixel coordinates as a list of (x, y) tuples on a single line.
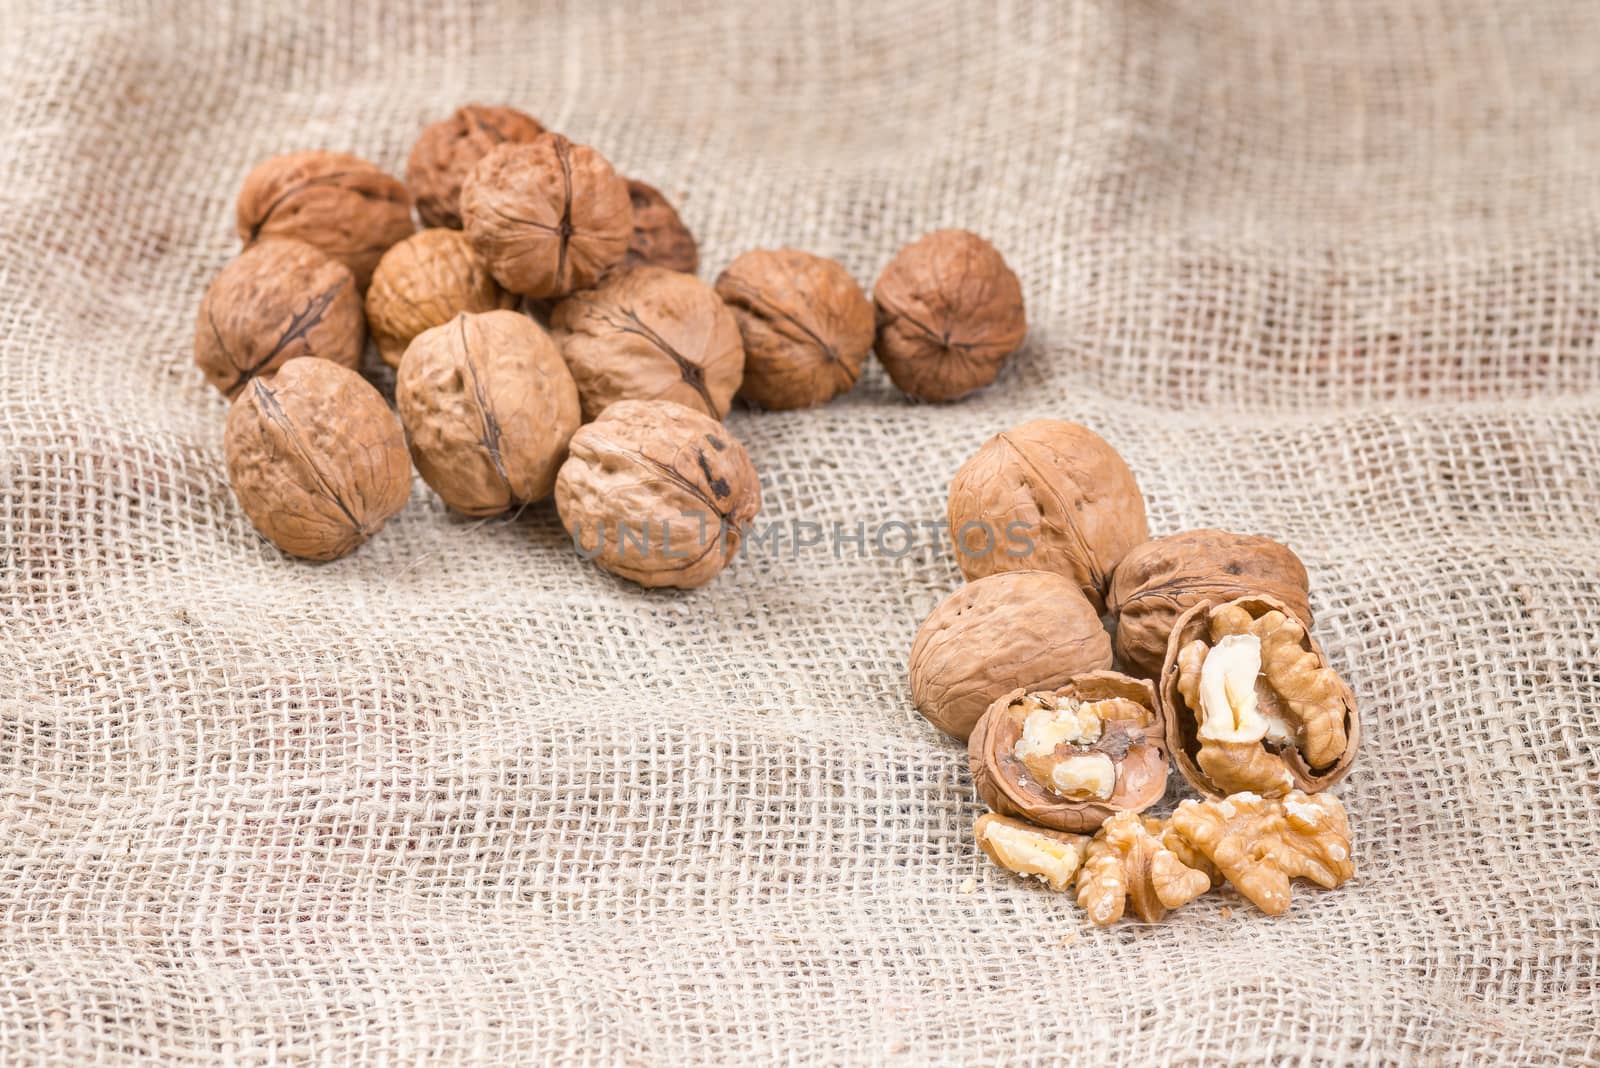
[(1071, 758), (807, 327), (1051, 495), (647, 333), (1021, 628), (488, 408), (659, 237), (1160, 580), (278, 299), (337, 202), (949, 314), (316, 458), (657, 493), (447, 150), (1250, 704), (425, 281), (549, 217)]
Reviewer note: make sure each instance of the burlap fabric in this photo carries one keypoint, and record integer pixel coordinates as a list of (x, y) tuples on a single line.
[(1326, 271)]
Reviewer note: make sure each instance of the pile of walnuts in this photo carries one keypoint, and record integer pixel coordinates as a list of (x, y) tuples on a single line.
[(1219, 675), (549, 338)]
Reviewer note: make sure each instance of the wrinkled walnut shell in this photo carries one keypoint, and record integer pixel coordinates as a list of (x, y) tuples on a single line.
[(425, 281), (278, 299), (1020, 628), (549, 217), (949, 314), (659, 237), (647, 333), (657, 493), (447, 150), (333, 201), (1050, 495), (316, 459), (1160, 580), (1182, 724), (1132, 742), (488, 408), (806, 325)]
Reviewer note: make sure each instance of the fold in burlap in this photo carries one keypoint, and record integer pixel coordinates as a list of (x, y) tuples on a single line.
[(1328, 272)]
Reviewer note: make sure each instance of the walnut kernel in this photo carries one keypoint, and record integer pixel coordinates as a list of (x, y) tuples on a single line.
[(447, 150), (659, 237), (425, 281), (1259, 844), (1049, 856), (1127, 863)]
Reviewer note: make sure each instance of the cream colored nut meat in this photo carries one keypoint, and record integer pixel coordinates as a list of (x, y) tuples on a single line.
[(316, 459), (1073, 757), (1250, 703), (1127, 864), (488, 408), (425, 281), (1259, 844), (447, 150), (1049, 856)]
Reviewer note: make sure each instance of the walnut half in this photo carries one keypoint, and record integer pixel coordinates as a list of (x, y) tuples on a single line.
[(1049, 856), (1128, 863), (1250, 703), (1259, 844)]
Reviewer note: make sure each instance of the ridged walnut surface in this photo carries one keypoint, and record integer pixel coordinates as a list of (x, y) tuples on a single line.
[(447, 150), (427, 279)]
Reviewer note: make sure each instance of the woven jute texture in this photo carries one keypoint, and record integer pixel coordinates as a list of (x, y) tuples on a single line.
[(1327, 271)]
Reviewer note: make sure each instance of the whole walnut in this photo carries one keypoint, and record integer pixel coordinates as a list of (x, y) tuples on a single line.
[(657, 493), (1047, 495), (659, 236), (341, 204), (276, 300), (549, 217), (447, 150), (1158, 581), (488, 408), (647, 333), (427, 279), (316, 458), (807, 327), (949, 313), (1029, 629)]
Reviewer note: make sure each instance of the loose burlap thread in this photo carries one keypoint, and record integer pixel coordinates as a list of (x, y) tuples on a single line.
[(1323, 271)]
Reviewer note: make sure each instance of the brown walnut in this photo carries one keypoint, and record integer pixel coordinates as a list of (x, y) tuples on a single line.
[(1260, 844), (807, 327), (1130, 863), (343, 205), (949, 313), (1250, 703), (277, 300), (316, 458), (659, 236), (647, 333), (1051, 495), (1158, 581), (447, 150), (1019, 628), (1071, 758), (657, 493), (488, 408), (424, 281), (549, 217)]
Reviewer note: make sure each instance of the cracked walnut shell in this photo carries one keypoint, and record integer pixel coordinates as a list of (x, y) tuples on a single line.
[(1250, 703), (806, 325), (425, 281), (1259, 844), (1052, 857), (1071, 758), (1128, 863), (1160, 580), (316, 459), (488, 408), (659, 237), (278, 299), (447, 150), (1047, 494), (334, 201), (647, 333), (548, 217), (1019, 628), (949, 313), (657, 493)]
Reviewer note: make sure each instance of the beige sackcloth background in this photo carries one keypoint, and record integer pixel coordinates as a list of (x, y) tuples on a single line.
[(1325, 270)]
